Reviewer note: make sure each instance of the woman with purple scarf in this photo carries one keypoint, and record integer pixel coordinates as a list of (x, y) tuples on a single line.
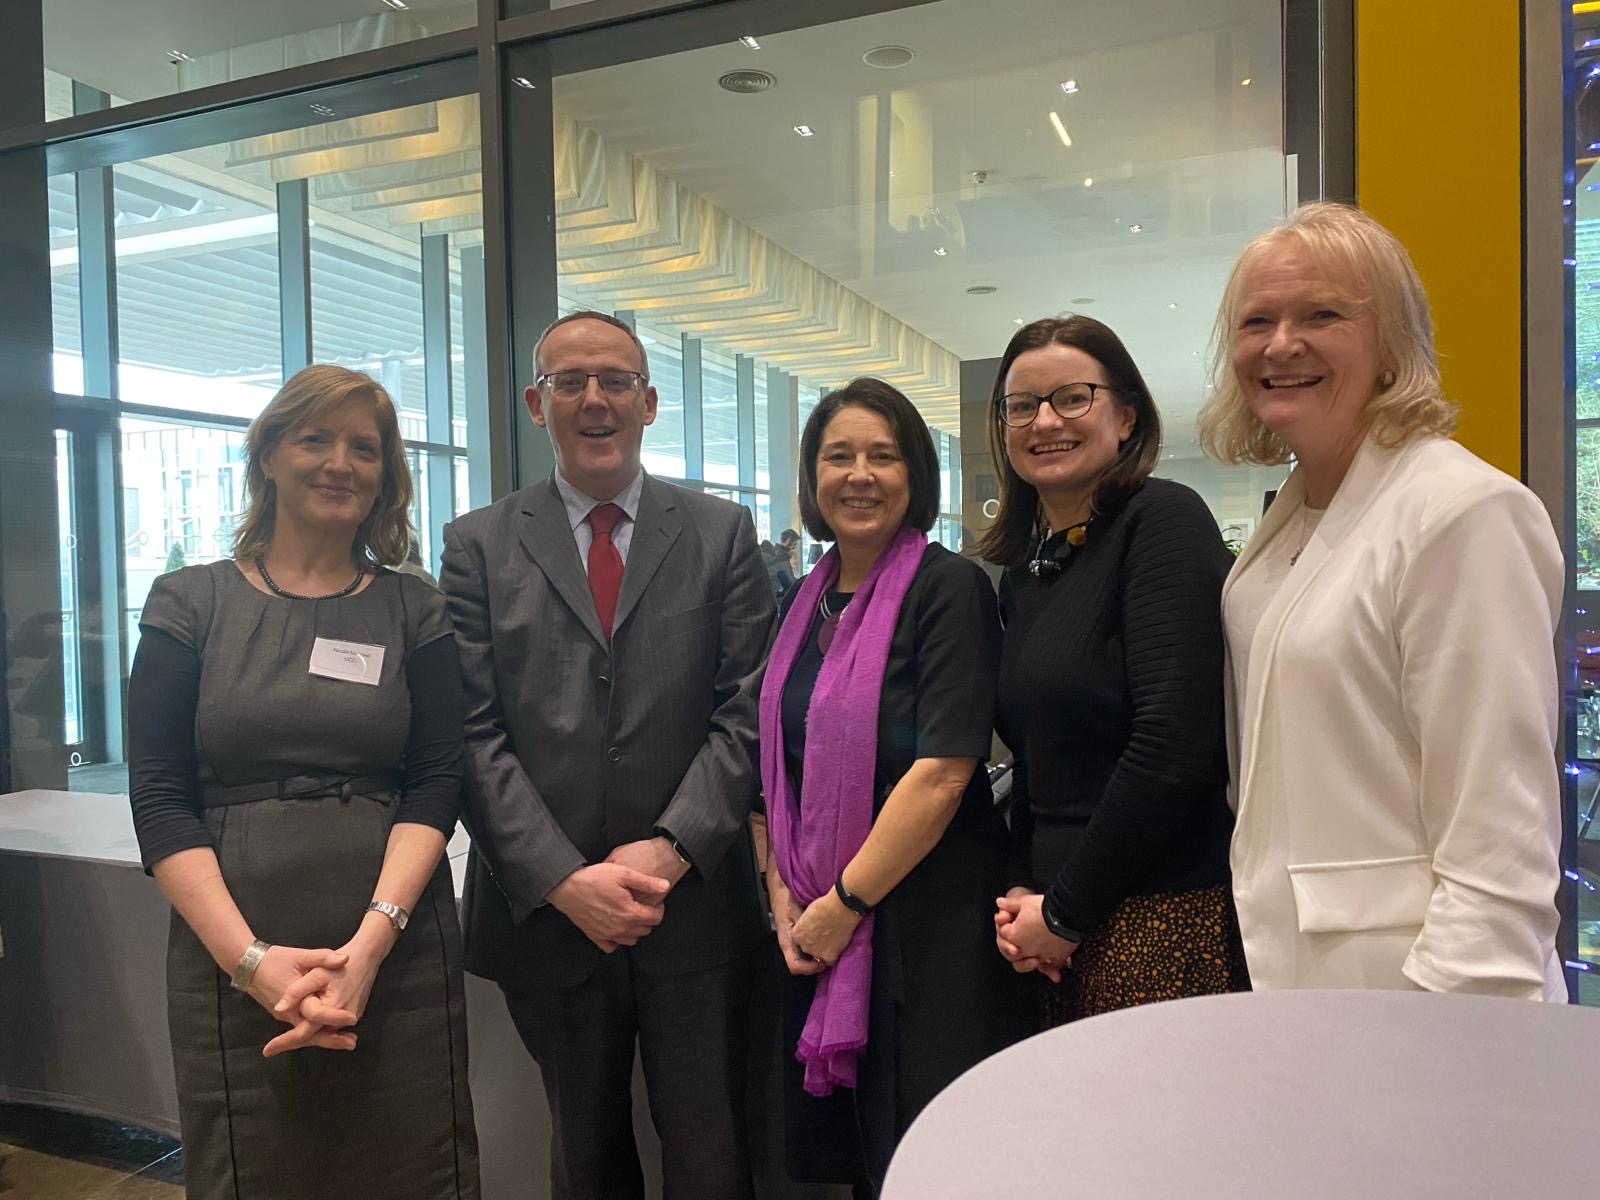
[(886, 851)]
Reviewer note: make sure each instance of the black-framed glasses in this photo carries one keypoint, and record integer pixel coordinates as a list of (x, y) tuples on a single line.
[(1069, 400), (569, 385)]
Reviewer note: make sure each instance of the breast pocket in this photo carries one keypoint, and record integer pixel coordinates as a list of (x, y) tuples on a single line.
[(690, 620), (1374, 893)]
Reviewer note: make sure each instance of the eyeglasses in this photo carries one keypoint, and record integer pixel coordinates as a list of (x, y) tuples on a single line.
[(569, 385), (1069, 400)]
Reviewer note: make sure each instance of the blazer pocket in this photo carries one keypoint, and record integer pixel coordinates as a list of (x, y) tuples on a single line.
[(691, 619), (1373, 893)]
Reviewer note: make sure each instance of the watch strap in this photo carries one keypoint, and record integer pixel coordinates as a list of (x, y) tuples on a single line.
[(849, 899), (249, 962), (397, 915), (1056, 925)]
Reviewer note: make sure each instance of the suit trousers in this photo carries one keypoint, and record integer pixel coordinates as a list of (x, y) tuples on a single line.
[(692, 1033)]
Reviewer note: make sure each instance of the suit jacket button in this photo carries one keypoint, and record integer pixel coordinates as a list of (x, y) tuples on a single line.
[(604, 681), (614, 754)]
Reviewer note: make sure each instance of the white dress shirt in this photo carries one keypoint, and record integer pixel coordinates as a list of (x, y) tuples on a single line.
[(580, 504)]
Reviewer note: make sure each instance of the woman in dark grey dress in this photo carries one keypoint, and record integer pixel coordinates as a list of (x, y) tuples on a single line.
[(295, 762)]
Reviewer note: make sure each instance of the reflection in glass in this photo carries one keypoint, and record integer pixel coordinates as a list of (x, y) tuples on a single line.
[(71, 650)]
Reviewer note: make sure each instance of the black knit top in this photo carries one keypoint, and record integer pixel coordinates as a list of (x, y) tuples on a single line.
[(1110, 698)]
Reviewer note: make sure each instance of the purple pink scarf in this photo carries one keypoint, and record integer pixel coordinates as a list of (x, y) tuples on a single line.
[(839, 772)]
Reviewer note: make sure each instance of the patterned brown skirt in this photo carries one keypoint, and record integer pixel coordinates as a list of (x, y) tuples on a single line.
[(1162, 947)]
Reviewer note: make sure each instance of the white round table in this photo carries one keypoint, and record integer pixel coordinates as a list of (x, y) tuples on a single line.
[(1295, 1095)]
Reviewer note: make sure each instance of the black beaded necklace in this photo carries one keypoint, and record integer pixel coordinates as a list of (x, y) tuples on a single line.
[(266, 578)]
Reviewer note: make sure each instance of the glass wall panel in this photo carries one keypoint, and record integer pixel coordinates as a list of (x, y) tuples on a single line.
[(67, 361), (663, 441), (197, 283), (148, 48), (902, 188)]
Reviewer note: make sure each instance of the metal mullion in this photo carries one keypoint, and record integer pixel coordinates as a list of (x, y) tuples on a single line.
[(479, 474), (294, 276), (97, 262), (744, 374), (783, 407), (694, 420), (436, 384)]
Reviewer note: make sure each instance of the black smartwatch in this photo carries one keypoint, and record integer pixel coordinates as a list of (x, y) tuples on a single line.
[(1056, 925), (849, 899), (677, 846)]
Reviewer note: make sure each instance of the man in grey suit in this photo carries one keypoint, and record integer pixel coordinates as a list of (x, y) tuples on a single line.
[(610, 629)]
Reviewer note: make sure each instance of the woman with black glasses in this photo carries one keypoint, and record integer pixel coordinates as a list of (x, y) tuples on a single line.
[(1110, 689)]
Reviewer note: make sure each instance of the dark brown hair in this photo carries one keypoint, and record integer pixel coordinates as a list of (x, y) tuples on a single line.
[(1020, 520), (911, 438)]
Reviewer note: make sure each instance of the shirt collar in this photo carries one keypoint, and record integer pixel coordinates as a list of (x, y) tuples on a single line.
[(579, 504)]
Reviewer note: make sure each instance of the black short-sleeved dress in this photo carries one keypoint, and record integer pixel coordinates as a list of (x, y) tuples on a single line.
[(392, 1118), (942, 998)]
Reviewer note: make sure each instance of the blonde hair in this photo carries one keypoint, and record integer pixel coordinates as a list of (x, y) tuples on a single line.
[(385, 536), (1408, 398)]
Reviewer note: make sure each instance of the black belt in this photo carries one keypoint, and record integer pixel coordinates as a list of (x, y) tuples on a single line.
[(300, 787)]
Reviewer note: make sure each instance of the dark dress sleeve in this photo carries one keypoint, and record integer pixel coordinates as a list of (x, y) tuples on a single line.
[(1171, 621), (430, 782), (958, 659), (163, 692)]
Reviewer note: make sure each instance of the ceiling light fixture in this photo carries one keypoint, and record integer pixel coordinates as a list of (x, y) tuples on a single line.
[(982, 289), (749, 41), (322, 110), (940, 251), (1088, 181), (397, 5), (1172, 306), (1061, 130), (1082, 300), (179, 56), (1135, 228), (805, 131), (1245, 82), (1069, 86), (1018, 321), (522, 81)]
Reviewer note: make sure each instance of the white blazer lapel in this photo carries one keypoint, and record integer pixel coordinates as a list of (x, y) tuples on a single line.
[(1368, 474)]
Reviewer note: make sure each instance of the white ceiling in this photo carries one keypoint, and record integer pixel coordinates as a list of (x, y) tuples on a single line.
[(1161, 122)]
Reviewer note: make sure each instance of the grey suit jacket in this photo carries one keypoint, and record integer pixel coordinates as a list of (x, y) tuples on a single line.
[(576, 745)]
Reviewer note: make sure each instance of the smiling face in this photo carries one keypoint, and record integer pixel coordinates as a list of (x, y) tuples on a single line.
[(328, 470), (863, 484), (596, 436), (1305, 352), (1064, 458)]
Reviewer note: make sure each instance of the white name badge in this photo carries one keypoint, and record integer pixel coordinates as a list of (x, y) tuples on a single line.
[(354, 662)]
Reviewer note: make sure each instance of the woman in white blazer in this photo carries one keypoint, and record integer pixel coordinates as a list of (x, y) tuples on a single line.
[(1392, 690)]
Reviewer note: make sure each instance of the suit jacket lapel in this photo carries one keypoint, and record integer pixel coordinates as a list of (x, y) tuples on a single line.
[(654, 532), (1369, 474), (548, 540)]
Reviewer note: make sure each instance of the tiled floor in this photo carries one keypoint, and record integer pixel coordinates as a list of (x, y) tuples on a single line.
[(49, 1155)]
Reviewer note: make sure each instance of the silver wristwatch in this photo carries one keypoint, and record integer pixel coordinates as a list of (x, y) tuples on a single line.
[(245, 973), (397, 915)]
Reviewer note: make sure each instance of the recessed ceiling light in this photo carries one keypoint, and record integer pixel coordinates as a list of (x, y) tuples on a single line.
[(982, 289), (522, 81), (1088, 181), (1244, 82), (805, 131), (1069, 86), (887, 58), (1018, 321), (940, 251), (397, 5), (1061, 130), (1172, 306), (322, 110), (179, 56), (1135, 228), (750, 42)]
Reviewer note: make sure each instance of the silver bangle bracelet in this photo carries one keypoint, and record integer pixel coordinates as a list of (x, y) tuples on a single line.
[(249, 962)]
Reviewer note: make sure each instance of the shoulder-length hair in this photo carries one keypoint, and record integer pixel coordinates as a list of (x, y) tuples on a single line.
[(911, 438), (1020, 521), (384, 538), (1372, 269)]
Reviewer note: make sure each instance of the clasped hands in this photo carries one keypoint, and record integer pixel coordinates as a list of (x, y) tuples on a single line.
[(1023, 938), (811, 937), (619, 901), (320, 994)]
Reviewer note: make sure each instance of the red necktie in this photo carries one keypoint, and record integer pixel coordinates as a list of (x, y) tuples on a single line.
[(605, 564)]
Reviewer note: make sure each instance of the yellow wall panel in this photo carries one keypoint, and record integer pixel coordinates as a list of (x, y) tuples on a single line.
[(1439, 161)]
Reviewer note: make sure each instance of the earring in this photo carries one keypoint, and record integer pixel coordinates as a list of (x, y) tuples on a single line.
[(1386, 379)]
